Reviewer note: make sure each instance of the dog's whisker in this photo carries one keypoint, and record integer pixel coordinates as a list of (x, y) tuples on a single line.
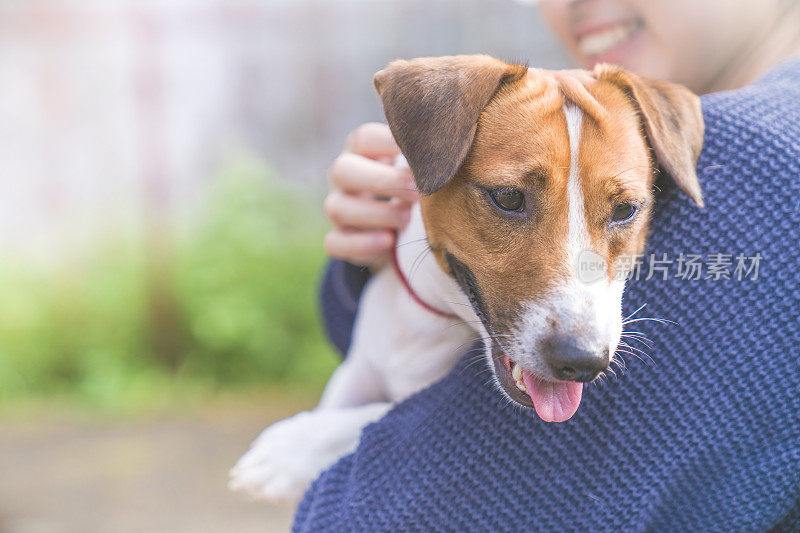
[(484, 372), (487, 382), (455, 303), (506, 401), (634, 332), (418, 262), (482, 350), (631, 347), (642, 319), (466, 322), (637, 357), (637, 310), (461, 323), (601, 377), (424, 239), (424, 256), (420, 256), (460, 346), (401, 189), (478, 356), (638, 350), (642, 341), (647, 361), (488, 371), (637, 335), (620, 369), (475, 360), (626, 349), (646, 343), (485, 339)]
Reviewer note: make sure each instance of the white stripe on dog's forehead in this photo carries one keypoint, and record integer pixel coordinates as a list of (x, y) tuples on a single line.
[(578, 235)]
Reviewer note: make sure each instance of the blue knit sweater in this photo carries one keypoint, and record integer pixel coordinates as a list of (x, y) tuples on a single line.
[(706, 437)]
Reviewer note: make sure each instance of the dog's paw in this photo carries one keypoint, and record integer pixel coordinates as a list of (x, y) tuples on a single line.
[(287, 456)]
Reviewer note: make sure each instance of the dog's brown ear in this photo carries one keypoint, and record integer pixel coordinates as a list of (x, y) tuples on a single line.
[(672, 120), (432, 105)]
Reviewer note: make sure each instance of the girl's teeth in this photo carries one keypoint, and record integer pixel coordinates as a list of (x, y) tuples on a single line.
[(603, 41)]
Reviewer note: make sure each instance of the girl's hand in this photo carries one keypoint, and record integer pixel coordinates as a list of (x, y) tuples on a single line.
[(368, 197)]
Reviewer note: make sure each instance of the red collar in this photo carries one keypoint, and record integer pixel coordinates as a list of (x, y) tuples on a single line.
[(411, 292)]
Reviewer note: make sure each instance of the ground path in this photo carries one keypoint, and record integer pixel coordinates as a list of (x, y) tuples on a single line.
[(71, 473)]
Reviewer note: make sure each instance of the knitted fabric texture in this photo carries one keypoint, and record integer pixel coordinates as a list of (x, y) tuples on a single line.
[(705, 437), (339, 290)]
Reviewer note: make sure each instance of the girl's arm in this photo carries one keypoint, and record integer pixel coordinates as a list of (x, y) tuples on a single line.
[(339, 293)]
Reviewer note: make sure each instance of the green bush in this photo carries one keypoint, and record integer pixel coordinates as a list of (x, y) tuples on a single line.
[(248, 280), (227, 302)]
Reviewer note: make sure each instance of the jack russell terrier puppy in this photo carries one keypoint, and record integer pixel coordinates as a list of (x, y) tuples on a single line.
[(524, 174)]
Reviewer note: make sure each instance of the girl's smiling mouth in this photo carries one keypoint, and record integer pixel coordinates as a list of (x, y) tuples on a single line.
[(596, 40)]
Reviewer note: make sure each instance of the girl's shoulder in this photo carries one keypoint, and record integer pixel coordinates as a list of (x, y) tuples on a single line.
[(752, 134), (765, 113)]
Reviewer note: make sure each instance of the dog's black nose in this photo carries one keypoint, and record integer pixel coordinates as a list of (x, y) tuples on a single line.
[(570, 362)]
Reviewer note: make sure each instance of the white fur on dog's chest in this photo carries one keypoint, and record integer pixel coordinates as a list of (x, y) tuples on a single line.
[(411, 346)]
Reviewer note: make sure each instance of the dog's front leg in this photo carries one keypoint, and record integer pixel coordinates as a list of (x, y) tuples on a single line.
[(354, 382), (397, 349), (287, 456)]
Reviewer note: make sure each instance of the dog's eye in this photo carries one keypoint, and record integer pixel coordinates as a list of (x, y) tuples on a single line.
[(508, 199), (623, 212)]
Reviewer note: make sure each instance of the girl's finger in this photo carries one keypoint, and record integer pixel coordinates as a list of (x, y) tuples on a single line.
[(366, 248), (348, 211), (373, 140), (354, 173)]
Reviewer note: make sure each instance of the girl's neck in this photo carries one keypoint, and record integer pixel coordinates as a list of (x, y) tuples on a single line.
[(781, 42)]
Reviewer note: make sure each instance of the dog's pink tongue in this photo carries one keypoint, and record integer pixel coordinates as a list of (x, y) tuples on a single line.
[(554, 401)]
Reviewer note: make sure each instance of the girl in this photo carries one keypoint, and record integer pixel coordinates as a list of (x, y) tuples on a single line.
[(706, 439)]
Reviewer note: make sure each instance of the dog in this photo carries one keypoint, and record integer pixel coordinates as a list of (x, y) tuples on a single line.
[(524, 173)]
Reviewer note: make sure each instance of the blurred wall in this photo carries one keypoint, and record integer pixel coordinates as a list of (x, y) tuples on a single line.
[(113, 111)]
